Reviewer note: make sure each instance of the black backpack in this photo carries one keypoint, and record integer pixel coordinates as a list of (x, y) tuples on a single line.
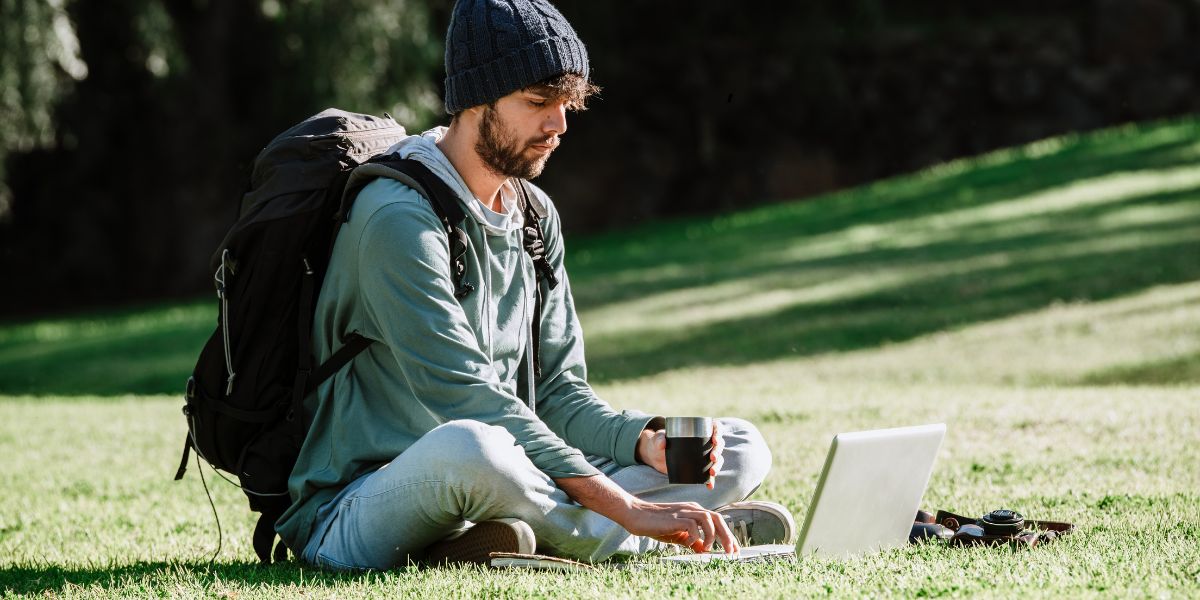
[(243, 402)]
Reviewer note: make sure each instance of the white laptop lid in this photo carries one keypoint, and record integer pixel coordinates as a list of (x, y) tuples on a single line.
[(870, 489)]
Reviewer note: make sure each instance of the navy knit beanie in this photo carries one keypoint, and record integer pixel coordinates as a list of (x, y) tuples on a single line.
[(496, 47)]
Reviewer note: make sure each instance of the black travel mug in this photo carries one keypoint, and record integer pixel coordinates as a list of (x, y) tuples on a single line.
[(689, 449)]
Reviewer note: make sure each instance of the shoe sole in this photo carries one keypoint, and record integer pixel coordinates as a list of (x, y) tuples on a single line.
[(478, 542)]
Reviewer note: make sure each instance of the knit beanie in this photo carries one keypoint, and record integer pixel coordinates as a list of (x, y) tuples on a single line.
[(496, 47)]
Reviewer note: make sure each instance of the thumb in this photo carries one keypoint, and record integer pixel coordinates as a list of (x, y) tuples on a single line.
[(660, 441)]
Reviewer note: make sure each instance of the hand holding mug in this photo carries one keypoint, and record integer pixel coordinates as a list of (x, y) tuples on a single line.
[(698, 455)]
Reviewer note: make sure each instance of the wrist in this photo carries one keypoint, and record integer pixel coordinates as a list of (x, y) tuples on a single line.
[(643, 442), (645, 438), (601, 495)]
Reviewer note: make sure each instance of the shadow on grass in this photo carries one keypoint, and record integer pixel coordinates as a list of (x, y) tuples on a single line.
[(899, 313), (1182, 370), (151, 351), (1125, 235), (62, 580), (960, 244), (701, 244)]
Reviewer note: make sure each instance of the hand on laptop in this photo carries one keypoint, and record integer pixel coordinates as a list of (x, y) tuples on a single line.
[(684, 523), (652, 451)]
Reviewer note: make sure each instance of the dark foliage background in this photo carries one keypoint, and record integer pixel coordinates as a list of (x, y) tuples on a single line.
[(127, 127)]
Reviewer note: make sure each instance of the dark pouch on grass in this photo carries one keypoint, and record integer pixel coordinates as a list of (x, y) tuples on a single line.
[(993, 529)]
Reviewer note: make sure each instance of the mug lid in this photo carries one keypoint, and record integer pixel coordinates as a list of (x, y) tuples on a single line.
[(689, 426)]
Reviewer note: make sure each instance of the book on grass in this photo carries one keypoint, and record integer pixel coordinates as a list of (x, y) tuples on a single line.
[(536, 561), (749, 553), (551, 563)]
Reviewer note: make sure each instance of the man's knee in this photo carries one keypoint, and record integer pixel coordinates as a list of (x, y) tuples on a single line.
[(747, 456), (467, 445)]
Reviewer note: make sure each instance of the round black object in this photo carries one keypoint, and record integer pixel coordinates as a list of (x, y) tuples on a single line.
[(1002, 522)]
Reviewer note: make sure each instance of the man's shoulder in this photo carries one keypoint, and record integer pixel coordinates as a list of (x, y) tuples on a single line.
[(392, 193), (389, 217), (385, 199)]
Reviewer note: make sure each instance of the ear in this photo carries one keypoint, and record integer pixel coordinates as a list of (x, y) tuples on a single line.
[(467, 120), (471, 116), (475, 112)]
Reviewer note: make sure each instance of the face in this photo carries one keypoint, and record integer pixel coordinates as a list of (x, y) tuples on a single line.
[(518, 134)]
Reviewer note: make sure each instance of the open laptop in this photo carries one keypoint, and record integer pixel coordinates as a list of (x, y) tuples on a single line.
[(869, 490), (866, 499)]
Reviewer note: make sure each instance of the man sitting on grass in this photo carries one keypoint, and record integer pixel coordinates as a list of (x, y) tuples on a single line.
[(424, 446)]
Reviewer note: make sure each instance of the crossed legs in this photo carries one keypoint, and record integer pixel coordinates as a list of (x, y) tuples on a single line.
[(466, 472)]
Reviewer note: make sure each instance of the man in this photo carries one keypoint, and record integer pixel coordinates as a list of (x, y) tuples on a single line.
[(424, 446)]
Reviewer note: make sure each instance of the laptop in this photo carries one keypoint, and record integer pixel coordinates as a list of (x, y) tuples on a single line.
[(869, 490), (866, 499)]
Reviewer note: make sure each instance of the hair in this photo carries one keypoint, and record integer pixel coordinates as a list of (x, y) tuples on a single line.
[(571, 88)]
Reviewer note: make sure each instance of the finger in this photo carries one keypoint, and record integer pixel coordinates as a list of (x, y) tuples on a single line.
[(695, 537), (718, 443), (694, 534), (679, 538), (705, 521), (728, 542), (660, 440), (716, 465), (686, 529), (713, 467), (683, 532)]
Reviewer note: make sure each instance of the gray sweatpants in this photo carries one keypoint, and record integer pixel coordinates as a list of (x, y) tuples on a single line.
[(465, 472)]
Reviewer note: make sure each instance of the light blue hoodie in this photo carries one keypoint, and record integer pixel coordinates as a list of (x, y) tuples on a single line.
[(436, 358)]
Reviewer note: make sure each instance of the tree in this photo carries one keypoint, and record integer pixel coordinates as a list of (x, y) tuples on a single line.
[(151, 148)]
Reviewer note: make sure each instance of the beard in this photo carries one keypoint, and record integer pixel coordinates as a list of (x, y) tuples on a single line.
[(503, 154)]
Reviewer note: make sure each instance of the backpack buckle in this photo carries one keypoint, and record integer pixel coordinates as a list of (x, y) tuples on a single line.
[(464, 291)]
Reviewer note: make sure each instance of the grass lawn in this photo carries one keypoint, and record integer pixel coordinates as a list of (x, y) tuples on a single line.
[(1043, 301)]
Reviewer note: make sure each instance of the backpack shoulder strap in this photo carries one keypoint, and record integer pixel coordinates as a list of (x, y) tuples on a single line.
[(445, 205), (413, 174), (443, 200), (534, 241), (351, 347), (535, 244), (531, 200)]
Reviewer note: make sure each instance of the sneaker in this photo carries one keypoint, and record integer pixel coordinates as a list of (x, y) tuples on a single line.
[(754, 522), (476, 544)]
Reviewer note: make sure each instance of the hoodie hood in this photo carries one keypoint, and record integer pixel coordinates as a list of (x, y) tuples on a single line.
[(423, 148)]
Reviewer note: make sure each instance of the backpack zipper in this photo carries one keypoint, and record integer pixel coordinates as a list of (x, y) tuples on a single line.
[(364, 137), (219, 278)]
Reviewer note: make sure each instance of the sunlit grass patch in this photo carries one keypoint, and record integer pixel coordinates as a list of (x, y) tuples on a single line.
[(99, 515)]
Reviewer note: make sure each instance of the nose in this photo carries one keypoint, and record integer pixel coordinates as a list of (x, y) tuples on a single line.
[(556, 121)]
